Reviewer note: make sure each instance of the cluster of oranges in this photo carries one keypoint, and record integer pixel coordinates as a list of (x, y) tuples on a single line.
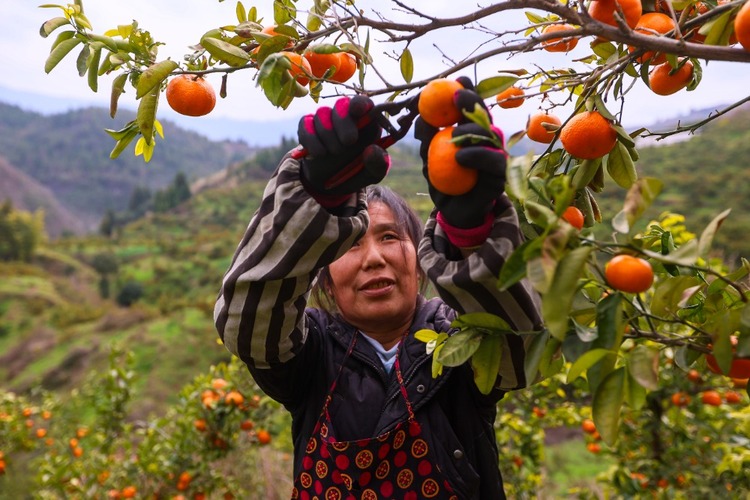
[(193, 95), (589, 135), (438, 108)]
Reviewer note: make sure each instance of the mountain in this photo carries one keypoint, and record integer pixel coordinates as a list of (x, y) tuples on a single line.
[(255, 132), (68, 153)]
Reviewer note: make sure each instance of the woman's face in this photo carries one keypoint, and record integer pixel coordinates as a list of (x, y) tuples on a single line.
[(375, 283)]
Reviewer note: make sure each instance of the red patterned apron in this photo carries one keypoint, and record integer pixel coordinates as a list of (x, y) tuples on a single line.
[(393, 465)]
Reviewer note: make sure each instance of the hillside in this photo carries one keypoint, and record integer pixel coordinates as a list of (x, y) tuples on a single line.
[(27, 194), (68, 153)]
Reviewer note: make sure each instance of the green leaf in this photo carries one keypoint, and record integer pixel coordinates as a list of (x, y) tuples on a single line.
[(643, 366), (460, 347), (517, 173), (586, 361), (118, 87), (707, 236), (93, 63), (240, 12), (534, 354), (51, 25), (718, 30), (620, 166), (147, 114), (153, 76), (59, 52), (607, 404), (225, 51), (640, 196), (585, 173), (486, 362), (635, 393), (130, 134), (669, 294), (539, 214), (490, 87), (82, 60), (283, 11), (610, 332), (481, 320), (514, 268), (558, 300), (426, 335), (407, 65)]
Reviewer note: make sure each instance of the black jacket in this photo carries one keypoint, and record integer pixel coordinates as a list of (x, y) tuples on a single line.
[(294, 352)]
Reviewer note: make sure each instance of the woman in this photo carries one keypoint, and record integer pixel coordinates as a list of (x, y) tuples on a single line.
[(368, 418)]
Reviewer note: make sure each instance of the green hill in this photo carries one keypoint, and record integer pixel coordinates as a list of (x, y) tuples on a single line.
[(68, 153)]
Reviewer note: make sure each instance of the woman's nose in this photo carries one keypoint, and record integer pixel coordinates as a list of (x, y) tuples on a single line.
[(372, 256)]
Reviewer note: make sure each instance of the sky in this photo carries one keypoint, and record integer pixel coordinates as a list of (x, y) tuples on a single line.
[(180, 24)]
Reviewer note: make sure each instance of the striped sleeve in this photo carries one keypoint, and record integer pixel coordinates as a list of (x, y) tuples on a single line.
[(259, 313), (470, 285)]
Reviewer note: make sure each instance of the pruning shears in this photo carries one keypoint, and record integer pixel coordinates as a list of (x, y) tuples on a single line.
[(380, 113)]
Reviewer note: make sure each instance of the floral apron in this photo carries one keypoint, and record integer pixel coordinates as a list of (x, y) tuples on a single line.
[(393, 465)]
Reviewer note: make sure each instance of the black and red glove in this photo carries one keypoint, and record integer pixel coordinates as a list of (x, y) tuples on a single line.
[(342, 154), (467, 218)]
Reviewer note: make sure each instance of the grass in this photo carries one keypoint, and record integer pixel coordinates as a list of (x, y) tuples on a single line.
[(570, 465)]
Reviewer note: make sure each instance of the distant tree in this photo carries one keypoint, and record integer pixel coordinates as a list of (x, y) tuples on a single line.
[(108, 225), (20, 232), (129, 294), (140, 200)]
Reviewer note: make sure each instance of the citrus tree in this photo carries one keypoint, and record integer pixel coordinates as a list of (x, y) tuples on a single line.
[(616, 307)]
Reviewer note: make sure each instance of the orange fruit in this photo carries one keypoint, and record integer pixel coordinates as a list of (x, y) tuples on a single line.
[(264, 437), (444, 172), (588, 426), (665, 80), (77, 451), (742, 26), (629, 274), (594, 448), (712, 398), (653, 23), (300, 69), (562, 44), (573, 216), (346, 69), (739, 383), (536, 131), (694, 376), (680, 399), (219, 384), (436, 104), (604, 11), (234, 398), (247, 425), (41, 432), (129, 492), (732, 397), (191, 95), (344, 64), (200, 424), (512, 97), (588, 135)]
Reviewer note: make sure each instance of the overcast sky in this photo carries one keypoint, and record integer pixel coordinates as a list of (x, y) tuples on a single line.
[(180, 24)]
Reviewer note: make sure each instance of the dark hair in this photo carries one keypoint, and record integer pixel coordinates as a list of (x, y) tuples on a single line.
[(410, 226)]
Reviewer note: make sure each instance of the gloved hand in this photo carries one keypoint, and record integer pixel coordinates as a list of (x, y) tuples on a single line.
[(342, 154), (467, 218)]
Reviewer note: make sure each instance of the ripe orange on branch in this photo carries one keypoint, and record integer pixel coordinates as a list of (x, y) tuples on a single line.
[(653, 24), (604, 11), (629, 274), (436, 104), (742, 26), (665, 80), (191, 95), (344, 64), (562, 44), (536, 129), (512, 97), (300, 69), (588, 135), (740, 368), (444, 172), (573, 216)]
